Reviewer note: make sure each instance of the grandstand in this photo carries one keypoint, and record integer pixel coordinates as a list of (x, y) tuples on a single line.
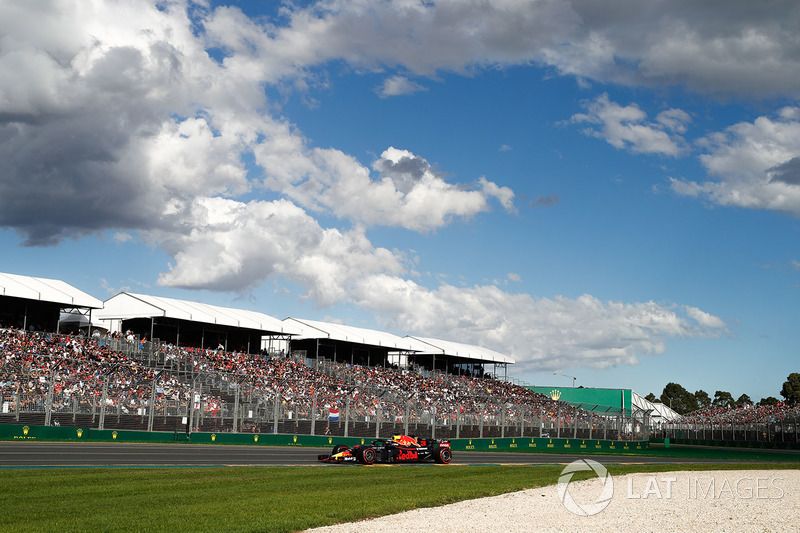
[(185, 367), (37, 303), (186, 323)]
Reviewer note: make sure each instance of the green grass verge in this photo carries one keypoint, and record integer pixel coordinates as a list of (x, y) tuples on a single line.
[(257, 498)]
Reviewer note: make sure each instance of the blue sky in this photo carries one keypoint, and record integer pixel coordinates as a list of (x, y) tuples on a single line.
[(610, 195)]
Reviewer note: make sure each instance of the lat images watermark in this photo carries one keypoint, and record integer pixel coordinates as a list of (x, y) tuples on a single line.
[(585, 508), (695, 486)]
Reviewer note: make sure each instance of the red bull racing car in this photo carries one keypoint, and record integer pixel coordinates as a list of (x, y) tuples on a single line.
[(400, 449)]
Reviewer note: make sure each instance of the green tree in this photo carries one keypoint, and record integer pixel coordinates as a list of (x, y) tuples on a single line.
[(769, 400), (744, 399), (791, 388), (651, 397), (679, 399), (723, 399), (703, 400)]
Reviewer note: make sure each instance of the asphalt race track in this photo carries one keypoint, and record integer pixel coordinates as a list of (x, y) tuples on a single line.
[(52, 454)]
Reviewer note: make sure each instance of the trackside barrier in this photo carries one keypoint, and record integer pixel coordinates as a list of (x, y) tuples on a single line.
[(736, 443), (15, 432)]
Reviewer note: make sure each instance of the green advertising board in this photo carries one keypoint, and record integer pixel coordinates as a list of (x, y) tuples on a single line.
[(509, 444)]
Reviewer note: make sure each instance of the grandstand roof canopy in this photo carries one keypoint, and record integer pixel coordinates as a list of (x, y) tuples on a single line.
[(127, 305), (659, 410), (312, 329), (466, 351), (46, 290)]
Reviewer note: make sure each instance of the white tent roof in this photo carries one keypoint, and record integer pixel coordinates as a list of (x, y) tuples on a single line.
[(127, 305), (312, 329), (467, 351), (46, 290), (659, 410)]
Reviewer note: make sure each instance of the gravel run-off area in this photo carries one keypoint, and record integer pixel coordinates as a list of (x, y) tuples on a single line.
[(731, 500)]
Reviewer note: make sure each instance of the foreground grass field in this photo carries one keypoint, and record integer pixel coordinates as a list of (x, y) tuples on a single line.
[(257, 498)]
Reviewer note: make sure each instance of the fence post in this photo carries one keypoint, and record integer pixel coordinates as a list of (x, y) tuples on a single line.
[(152, 404), (480, 420), (235, 426), (503, 421), (405, 418), (575, 432), (314, 413), (48, 407), (275, 414), (433, 422), (346, 416), (103, 404), (558, 420)]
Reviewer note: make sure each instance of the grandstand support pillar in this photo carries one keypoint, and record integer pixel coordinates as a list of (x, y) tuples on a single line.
[(103, 398)]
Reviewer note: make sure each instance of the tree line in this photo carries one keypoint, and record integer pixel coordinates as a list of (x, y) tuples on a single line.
[(682, 401)]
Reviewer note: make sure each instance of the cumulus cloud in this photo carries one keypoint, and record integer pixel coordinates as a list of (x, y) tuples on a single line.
[(627, 127), (398, 85), (114, 117), (540, 333), (751, 164), (234, 245), (742, 49)]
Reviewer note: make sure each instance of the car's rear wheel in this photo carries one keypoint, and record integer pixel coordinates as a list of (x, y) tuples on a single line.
[(443, 455), (368, 456)]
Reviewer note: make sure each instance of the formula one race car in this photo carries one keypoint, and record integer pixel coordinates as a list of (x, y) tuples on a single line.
[(401, 449)]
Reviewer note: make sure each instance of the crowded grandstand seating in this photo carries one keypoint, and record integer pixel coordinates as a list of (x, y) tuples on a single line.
[(74, 380), (742, 414)]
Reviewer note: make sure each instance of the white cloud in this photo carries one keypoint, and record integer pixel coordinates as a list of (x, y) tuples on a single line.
[(117, 110), (539, 333), (752, 164), (406, 191), (233, 246), (627, 127), (739, 50), (398, 85)]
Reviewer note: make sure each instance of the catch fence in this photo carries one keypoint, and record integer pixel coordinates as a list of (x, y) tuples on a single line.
[(782, 429)]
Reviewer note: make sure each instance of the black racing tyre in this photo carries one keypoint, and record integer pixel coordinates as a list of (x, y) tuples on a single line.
[(338, 449), (368, 455), (443, 455)]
